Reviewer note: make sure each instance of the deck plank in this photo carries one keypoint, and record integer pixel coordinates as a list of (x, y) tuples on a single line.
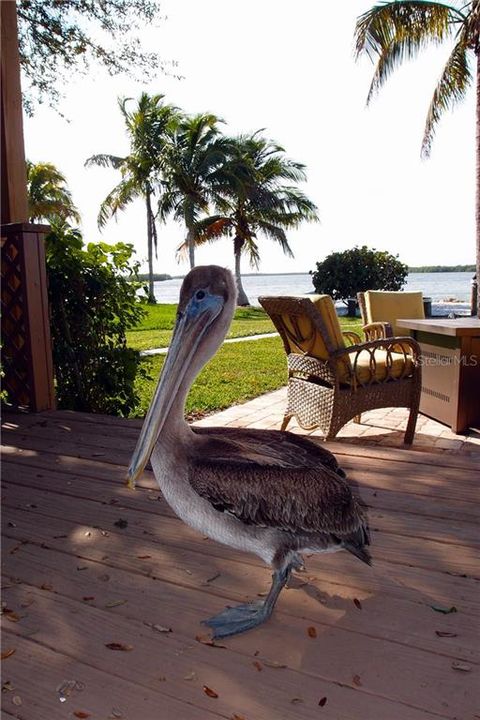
[(382, 616), (96, 424), (63, 486), (396, 548), (102, 690), (420, 516), (414, 479), (87, 540), (410, 679)]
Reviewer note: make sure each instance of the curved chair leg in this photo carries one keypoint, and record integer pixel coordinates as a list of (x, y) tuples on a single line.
[(285, 421), (412, 421)]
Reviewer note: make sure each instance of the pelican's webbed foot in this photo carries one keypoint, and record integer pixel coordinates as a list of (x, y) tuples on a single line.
[(241, 618)]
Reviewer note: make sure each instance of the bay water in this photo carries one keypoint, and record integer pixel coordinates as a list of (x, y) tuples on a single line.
[(449, 291)]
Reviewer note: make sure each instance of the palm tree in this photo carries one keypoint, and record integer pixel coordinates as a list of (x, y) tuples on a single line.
[(252, 198), (48, 197), (193, 162), (396, 31), (149, 126)]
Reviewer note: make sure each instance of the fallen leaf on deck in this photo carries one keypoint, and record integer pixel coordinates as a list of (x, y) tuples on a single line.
[(208, 691), (356, 680), (121, 523), (11, 615), (87, 598), (116, 713), (16, 548), (273, 663), (444, 610), (465, 667), (159, 628), (119, 646), (81, 714), (27, 603), (296, 701), (214, 577), (88, 533), (46, 586), (257, 665), (12, 524), (115, 603), (207, 640), (104, 533), (190, 676), (8, 653), (237, 717), (17, 700), (311, 631), (357, 603), (144, 557), (7, 687), (444, 633), (322, 702)]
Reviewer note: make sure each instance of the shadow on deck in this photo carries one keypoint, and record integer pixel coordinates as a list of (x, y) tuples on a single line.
[(105, 590)]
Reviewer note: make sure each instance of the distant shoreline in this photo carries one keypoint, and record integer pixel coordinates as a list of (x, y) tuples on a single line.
[(160, 277)]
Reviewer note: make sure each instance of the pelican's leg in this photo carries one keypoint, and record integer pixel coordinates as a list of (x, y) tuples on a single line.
[(244, 617)]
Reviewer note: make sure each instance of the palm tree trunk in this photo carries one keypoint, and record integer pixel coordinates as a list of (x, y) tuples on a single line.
[(151, 295), (477, 209), (242, 298), (191, 248)]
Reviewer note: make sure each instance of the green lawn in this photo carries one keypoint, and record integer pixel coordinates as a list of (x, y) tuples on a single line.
[(155, 330), (239, 371)]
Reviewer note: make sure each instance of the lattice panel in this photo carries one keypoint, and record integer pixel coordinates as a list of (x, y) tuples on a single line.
[(15, 346)]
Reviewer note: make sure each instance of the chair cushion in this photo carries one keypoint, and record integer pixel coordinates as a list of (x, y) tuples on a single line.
[(384, 306), (365, 371), (314, 344)]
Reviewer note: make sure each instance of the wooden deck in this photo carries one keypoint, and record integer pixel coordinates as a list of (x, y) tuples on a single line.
[(88, 564)]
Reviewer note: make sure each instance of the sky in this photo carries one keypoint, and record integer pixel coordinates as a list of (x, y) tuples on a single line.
[(288, 68)]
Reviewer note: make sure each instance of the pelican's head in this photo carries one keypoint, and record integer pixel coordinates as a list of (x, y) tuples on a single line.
[(207, 302)]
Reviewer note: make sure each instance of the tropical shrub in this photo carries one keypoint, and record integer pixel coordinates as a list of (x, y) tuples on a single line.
[(93, 301), (343, 274)]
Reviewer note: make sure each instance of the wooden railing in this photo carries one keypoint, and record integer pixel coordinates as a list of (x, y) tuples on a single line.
[(26, 345)]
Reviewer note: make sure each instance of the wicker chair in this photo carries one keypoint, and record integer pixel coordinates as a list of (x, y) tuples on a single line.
[(380, 310), (329, 382)]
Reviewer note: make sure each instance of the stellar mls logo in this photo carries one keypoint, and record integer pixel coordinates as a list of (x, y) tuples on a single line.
[(432, 360)]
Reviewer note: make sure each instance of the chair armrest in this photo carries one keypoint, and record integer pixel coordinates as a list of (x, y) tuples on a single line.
[(392, 344), (377, 330), (353, 337), (406, 346)]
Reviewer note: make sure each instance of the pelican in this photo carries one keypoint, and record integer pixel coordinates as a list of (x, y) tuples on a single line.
[(267, 492)]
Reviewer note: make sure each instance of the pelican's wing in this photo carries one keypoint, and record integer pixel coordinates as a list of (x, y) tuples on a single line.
[(265, 447), (291, 499)]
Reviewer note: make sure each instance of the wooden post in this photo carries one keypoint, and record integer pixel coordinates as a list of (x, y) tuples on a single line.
[(14, 178), (26, 345), (26, 351)]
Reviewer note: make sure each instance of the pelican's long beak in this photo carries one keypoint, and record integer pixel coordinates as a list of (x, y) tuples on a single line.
[(190, 328)]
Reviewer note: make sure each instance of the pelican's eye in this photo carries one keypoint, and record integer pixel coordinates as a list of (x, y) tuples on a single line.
[(200, 294)]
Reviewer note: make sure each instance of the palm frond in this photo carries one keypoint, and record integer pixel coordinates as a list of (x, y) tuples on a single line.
[(397, 31), (103, 160), (451, 89), (121, 196), (277, 234)]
